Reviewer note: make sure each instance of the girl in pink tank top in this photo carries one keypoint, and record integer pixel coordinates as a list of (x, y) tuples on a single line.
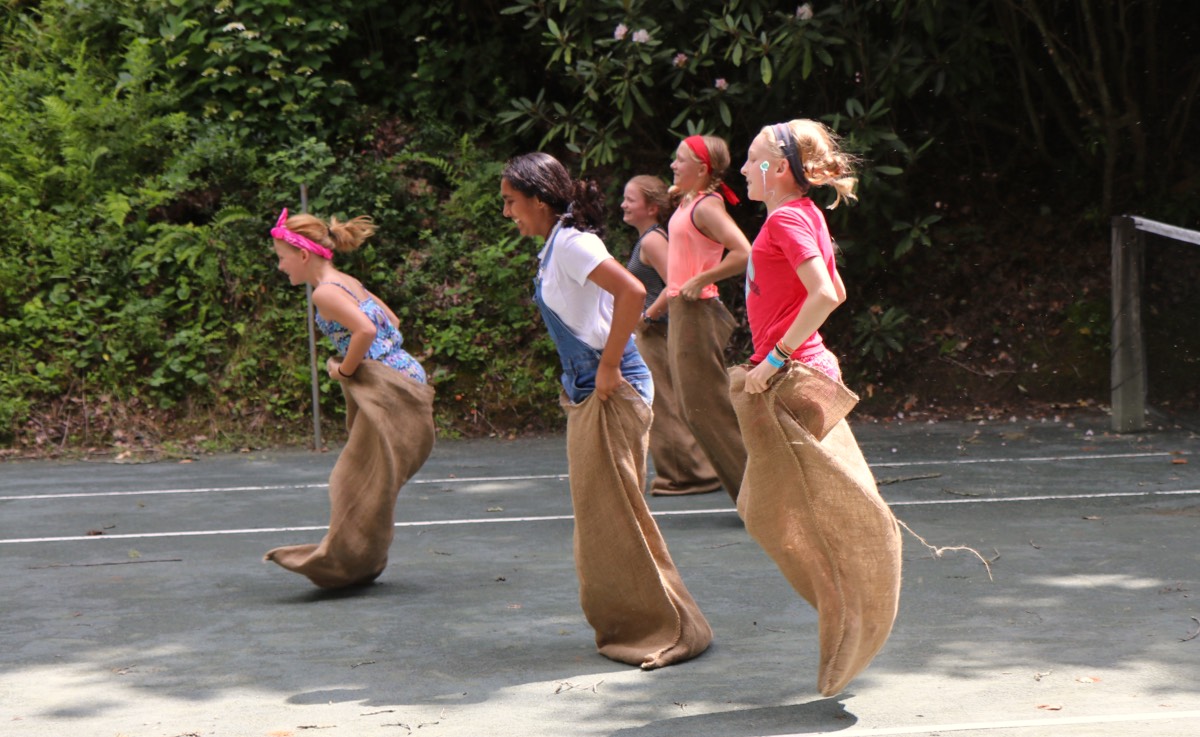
[(705, 246), (701, 230)]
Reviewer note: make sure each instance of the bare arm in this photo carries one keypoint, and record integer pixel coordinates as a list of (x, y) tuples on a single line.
[(338, 306), (825, 293), (628, 297), (715, 222), (654, 255)]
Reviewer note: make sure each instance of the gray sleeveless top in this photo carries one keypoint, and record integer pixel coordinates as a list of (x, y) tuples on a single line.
[(646, 273)]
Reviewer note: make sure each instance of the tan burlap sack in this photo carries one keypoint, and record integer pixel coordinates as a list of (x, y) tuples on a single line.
[(630, 591), (810, 501), (680, 466), (390, 423), (700, 329)]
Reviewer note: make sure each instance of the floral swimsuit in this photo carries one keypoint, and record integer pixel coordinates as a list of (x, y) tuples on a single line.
[(386, 348)]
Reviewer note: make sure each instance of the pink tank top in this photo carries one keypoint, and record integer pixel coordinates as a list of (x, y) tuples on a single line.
[(690, 252)]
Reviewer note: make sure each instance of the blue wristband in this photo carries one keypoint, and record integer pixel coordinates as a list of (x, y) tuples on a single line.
[(774, 360)]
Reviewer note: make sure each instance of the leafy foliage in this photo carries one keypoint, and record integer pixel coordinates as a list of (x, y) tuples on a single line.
[(879, 332), (146, 146), (148, 280), (254, 63), (674, 69)]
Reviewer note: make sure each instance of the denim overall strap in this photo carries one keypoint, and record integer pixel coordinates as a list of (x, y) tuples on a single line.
[(579, 360)]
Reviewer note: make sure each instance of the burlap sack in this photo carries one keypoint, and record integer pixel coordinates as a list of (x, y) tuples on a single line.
[(630, 591), (700, 329), (680, 466), (810, 501), (390, 420)]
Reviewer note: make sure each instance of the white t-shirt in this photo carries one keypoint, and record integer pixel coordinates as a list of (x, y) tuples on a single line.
[(585, 308)]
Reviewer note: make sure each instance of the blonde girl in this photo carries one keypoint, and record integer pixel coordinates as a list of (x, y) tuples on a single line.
[(680, 466), (389, 405), (361, 325), (808, 497), (705, 246), (792, 282)]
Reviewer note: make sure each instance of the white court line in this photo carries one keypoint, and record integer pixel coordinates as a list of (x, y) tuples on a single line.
[(267, 487), (1031, 459), (1044, 497), (312, 528), (1039, 724), (561, 517), (563, 476), (202, 490)]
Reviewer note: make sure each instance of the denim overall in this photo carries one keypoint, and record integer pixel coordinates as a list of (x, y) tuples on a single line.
[(579, 360)]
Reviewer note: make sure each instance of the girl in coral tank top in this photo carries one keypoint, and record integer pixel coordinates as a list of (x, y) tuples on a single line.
[(705, 246)]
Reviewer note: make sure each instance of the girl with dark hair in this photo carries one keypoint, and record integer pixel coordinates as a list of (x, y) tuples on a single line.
[(629, 589), (590, 303), (680, 466)]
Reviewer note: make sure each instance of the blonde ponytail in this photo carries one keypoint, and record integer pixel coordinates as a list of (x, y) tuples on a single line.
[(822, 159)]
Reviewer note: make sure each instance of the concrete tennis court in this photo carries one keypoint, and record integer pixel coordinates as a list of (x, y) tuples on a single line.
[(167, 624)]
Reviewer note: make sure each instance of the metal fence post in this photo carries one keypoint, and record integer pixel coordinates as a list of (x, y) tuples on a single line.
[(1128, 378), (312, 344)]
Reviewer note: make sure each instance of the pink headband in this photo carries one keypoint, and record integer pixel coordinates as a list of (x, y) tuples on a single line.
[(698, 147), (281, 232)]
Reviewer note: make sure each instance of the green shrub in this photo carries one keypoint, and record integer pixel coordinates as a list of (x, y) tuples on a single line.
[(146, 148), (879, 332)]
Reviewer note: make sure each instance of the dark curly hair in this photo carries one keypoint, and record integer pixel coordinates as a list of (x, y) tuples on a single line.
[(579, 204)]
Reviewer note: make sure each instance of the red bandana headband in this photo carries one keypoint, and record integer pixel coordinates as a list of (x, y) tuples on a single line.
[(698, 147), (293, 238)]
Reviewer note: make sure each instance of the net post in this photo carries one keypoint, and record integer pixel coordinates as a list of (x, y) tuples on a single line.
[(312, 344), (1128, 375)]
